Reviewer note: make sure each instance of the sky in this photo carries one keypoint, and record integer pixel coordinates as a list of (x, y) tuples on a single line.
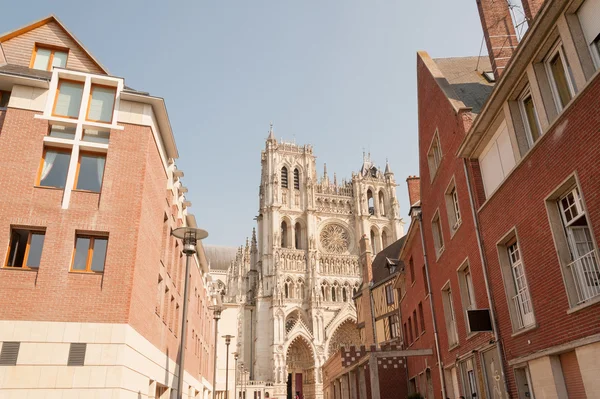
[(337, 74)]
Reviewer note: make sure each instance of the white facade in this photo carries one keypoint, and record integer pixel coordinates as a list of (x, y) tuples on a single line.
[(293, 283)]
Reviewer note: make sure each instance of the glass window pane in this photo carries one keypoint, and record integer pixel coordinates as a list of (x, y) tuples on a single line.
[(42, 56), (55, 168), (4, 97), (96, 136), (18, 244), (62, 132), (35, 250), (91, 170), (68, 101), (531, 118), (99, 256), (101, 104), (82, 246), (60, 59), (560, 78)]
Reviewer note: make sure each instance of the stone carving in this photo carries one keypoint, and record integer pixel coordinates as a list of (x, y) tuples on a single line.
[(335, 239), (346, 335)]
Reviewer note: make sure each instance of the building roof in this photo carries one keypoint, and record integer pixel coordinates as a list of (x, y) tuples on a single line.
[(219, 257), (19, 70), (389, 255), (466, 82)]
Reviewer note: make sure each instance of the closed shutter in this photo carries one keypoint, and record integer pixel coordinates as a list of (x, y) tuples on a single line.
[(76, 354), (507, 156), (589, 18), (9, 353), (497, 160)]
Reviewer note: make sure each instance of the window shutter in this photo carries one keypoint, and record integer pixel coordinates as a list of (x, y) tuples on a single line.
[(9, 353), (589, 17), (76, 354)]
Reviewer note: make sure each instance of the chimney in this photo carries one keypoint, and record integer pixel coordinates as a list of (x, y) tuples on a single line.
[(499, 33), (531, 8), (414, 189)]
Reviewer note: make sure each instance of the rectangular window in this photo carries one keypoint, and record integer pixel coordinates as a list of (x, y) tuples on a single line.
[(434, 155), (89, 254), (529, 116), (68, 99), (588, 14), (497, 159), (416, 324), (425, 285), (159, 295), (101, 103), (96, 136), (62, 132), (410, 331), (389, 294), (467, 291), (559, 73), (421, 317), (54, 167), (452, 208), (45, 58), (405, 335), (411, 266), (25, 248), (438, 238), (176, 326), (584, 266), (394, 326), (449, 316), (90, 170), (4, 98), (165, 304)]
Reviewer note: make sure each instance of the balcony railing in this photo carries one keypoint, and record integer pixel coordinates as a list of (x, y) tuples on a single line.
[(523, 309), (586, 275)]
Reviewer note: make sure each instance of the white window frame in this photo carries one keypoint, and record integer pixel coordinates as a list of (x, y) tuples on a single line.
[(558, 49), (450, 316), (439, 245), (434, 156), (453, 207), (522, 299), (524, 95)]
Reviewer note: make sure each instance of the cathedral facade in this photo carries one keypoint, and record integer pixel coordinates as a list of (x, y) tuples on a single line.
[(293, 283)]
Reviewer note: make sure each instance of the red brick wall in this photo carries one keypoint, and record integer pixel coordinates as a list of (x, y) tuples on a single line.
[(414, 189), (531, 8), (573, 145)]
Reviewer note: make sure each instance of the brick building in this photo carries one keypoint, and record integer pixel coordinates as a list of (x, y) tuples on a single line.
[(91, 278), (508, 211)]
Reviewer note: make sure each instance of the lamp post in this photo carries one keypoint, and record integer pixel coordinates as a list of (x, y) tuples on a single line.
[(242, 394), (190, 237), (216, 309), (235, 356), (227, 342)]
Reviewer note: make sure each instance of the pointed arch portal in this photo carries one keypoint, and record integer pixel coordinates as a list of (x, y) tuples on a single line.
[(300, 362)]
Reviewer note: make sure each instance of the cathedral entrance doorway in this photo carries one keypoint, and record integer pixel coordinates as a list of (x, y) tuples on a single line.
[(300, 365)]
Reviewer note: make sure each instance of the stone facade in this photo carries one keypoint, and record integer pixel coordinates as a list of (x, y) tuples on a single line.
[(294, 281)]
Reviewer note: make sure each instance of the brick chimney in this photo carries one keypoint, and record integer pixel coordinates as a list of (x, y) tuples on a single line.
[(414, 189), (531, 8), (499, 32)]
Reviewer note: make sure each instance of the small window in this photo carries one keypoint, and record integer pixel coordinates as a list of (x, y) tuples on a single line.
[(68, 99), (438, 238), (77, 354), (96, 136), (449, 316), (284, 177), (489, 76), (394, 326), (421, 317), (9, 353), (389, 294), (559, 73), (434, 155), (89, 254), (452, 208), (467, 291), (296, 179), (25, 248), (530, 118), (54, 168), (90, 171), (410, 330), (416, 324), (101, 104), (45, 59), (62, 132), (284, 232), (411, 268), (4, 98)]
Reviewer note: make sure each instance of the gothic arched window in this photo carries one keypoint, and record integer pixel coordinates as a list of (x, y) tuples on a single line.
[(333, 294), (284, 177), (370, 202), (296, 179), (298, 236), (284, 231), (384, 239), (372, 241), (381, 204), (344, 295)]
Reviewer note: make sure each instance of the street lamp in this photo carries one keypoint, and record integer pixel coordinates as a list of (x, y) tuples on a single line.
[(227, 342), (190, 237), (235, 356), (216, 309)]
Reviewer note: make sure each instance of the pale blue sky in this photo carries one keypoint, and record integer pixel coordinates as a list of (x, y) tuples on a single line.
[(337, 74)]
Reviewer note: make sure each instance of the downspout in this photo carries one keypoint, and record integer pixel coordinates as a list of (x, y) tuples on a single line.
[(373, 313), (435, 329), (486, 277)]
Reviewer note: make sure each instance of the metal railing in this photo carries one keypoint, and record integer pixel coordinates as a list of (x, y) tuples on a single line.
[(586, 275), (523, 309)]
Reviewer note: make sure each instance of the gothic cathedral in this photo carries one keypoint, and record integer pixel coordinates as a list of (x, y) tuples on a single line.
[(294, 283)]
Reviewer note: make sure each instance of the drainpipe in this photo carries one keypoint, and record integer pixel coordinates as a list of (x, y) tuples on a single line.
[(486, 277), (372, 313), (435, 329)]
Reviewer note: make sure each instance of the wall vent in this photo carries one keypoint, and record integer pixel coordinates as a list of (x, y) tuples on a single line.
[(9, 353), (76, 354)]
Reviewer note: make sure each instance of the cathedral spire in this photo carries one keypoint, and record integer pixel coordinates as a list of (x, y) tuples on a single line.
[(388, 171), (271, 134), (253, 247)]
